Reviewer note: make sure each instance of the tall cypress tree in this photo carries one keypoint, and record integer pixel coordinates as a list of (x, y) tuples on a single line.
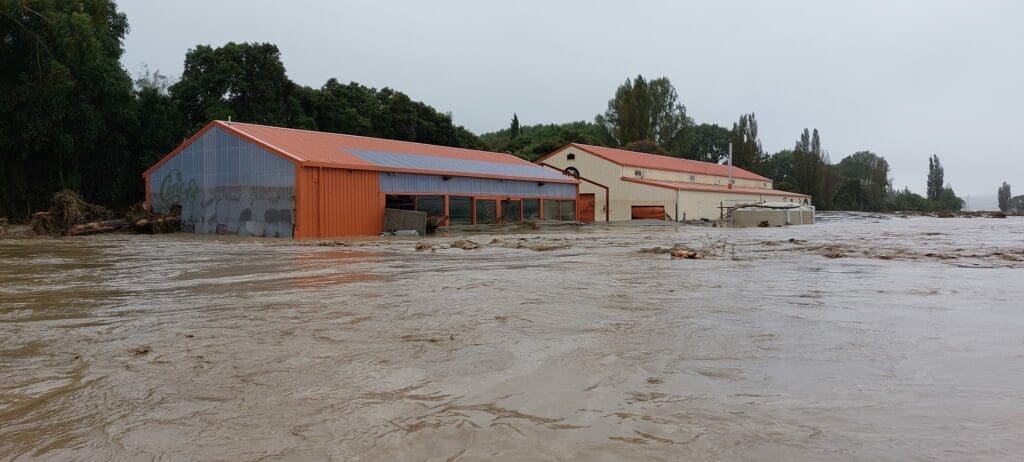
[(746, 147), (1004, 197), (513, 131), (936, 179)]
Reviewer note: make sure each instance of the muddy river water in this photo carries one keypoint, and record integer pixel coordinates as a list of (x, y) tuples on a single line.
[(853, 339)]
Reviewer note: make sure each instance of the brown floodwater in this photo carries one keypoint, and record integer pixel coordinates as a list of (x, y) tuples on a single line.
[(853, 339)]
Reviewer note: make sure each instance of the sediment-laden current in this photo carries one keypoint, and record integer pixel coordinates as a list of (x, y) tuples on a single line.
[(852, 339)]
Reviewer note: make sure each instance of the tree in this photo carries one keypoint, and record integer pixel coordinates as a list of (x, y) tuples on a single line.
[(807, 166), (644, 110), (535, 141), (864, 182), (160, 127), (647, 146), (779, 167), (65, 102), (746, 147), (243, 81), (1016, 204), (513, 131), (948, 200), (709, 143), (1004, 197), (935, 178)]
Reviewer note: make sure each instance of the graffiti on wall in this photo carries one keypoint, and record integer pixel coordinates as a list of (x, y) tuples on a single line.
[(173, 189), (226, 185), (251, 210)]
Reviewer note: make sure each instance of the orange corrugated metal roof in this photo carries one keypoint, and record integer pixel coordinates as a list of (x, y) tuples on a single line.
[(322, 149), (684, 186), (659, 162)]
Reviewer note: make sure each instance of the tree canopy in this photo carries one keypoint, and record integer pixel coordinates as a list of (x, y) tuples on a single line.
[(746, 146), (65, 102), (1004, 197), (936, 176), (72, 118), (645, 111)]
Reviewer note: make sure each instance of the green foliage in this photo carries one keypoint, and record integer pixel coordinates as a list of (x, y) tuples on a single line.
[(1004, 197), (243, 81), (812, 172), (65, 102), (514, 129), (935, 178), (779, 167), (160, 127), (706, 143), (1016, 204), (948, 200), (355, 109), (535, 141), (746, 147), (72, 119), (647, 146), (643, 110), (906, 200), (864, 182)]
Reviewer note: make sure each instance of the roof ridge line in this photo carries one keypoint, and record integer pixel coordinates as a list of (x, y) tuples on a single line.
[(259, 140)]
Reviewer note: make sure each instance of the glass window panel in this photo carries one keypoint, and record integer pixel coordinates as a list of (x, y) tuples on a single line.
[(567, 210), (486, 211), (510, 210), (433, 205), (550, 209), (531, 209), (460, 210), (400, 202)]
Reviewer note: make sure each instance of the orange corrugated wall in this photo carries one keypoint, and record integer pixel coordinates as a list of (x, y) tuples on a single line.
[(334, 202)]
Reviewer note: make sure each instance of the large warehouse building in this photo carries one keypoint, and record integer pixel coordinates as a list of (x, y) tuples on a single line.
[(620, 185), (235, 178)]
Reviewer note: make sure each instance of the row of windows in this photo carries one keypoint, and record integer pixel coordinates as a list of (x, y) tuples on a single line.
[(473, 210)]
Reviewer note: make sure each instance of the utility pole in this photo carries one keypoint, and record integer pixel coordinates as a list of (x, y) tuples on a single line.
[(730, 165)]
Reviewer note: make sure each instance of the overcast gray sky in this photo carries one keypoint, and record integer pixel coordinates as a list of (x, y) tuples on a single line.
[(904, 79)]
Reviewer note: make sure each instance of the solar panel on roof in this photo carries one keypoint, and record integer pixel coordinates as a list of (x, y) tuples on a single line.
[(454, 166)]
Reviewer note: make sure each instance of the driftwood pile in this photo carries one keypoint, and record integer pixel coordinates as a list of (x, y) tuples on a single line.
[(69, 215)]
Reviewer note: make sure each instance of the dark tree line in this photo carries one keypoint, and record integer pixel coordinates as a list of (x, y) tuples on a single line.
[(72, 117)]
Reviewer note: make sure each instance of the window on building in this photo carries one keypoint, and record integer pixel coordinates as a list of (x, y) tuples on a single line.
[(732, 181), (571, 156), (511, 210), (400, 202), (486, 211), (639, 173), (564, 210), (693, 177), (764, 185), (567, 210), (432, 205), (460, 210), (573, 171), (531, 209)]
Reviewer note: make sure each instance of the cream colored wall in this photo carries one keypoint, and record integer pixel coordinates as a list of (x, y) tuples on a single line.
[(666, 175), (625, 194)]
